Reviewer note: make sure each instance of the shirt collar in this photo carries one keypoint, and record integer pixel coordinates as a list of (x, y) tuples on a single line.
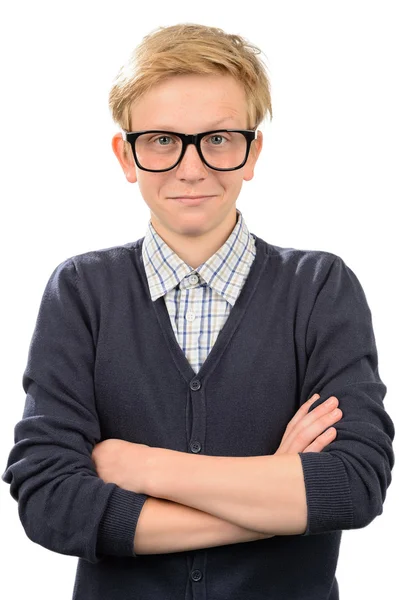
[(225, 271)]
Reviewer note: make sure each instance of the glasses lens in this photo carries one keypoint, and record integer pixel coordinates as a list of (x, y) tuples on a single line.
[(224, 149), (221, 149), (158, 150)]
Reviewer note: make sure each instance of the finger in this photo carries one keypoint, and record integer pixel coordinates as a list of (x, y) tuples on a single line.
[(309, 429), (302, 411), (322, 413), (305, 418), (322, 441)]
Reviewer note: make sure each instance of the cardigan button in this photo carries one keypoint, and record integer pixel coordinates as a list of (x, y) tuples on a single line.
[(195, 447), (196, 575), (195, 384)]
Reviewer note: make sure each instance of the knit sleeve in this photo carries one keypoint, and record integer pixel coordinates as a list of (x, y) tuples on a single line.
[(346, 483), (63, 504)]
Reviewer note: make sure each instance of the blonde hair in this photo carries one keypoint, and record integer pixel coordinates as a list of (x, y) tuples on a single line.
[(189, 48)]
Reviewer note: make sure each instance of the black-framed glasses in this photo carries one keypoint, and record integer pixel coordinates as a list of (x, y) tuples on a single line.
[(157, 150)]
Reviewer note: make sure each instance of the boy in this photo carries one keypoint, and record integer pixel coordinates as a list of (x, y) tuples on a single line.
[(175, 435)]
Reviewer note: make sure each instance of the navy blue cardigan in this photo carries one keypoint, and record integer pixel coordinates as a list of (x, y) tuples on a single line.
[(104, 363)]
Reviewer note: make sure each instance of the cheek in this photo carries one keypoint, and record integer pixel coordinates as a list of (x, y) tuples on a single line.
[(233, 183), (225, 183), (151, 185)]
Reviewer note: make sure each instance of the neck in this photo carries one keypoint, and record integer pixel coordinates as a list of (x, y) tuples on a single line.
[(193, 248)]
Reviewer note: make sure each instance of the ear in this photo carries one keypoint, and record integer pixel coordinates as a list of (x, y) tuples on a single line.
[(254, 152), (126, 159)]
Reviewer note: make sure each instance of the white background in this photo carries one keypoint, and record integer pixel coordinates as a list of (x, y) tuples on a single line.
[(326, 179)]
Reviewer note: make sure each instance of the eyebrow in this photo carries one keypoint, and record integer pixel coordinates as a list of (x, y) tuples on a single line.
[(210, 126)]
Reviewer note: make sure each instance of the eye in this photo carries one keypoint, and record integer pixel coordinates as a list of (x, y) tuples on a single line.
[(217, 139), (163, 137)]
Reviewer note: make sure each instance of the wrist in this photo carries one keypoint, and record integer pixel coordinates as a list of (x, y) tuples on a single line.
[(162, 467), (154, 457)]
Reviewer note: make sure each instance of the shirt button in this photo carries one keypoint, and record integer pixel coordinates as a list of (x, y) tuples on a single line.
[(196, 575), (193, 279), (195, 447), (190, 316), (195, 384)]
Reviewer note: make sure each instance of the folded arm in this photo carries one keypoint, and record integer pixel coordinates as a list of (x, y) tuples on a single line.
[(346, 485), (63, 504), (343, 487), (166, 526), (261, 493)]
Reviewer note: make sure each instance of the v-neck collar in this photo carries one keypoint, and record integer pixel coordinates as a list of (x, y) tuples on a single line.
[(233, 320)]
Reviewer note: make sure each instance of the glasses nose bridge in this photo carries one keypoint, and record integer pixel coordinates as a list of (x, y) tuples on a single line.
[(190, 138)]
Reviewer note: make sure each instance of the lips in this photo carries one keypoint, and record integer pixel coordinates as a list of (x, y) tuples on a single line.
[(190, 197), (192, 200)]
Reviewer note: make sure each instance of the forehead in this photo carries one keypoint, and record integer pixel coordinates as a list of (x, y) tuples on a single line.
[(192, 101)]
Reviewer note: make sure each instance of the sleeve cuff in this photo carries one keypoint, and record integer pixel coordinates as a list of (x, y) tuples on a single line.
[(118, 524), (328, 494)]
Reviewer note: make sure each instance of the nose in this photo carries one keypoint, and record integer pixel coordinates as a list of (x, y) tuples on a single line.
[(191, 165)]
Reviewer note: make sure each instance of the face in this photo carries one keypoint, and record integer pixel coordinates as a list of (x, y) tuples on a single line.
[(191, 104)]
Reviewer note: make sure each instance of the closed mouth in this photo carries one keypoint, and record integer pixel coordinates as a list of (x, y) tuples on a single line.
[(189, 197)]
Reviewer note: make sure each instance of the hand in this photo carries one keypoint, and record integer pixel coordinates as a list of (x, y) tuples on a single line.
[(304, 433), (123, 463)]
